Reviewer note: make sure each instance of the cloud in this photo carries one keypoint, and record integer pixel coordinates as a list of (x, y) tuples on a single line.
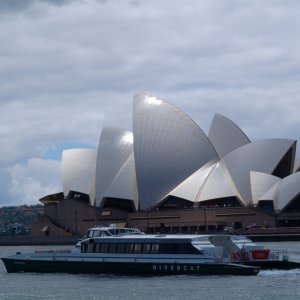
[(69, 67), (17, 6), (30, 181)]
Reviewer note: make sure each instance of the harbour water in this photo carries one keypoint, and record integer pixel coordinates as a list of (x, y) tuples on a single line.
[(271, 284)]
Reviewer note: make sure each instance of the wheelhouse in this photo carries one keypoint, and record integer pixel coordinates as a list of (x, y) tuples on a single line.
[(110, 231)]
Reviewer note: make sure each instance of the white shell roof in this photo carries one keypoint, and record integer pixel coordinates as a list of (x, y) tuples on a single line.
[(92, 192), (115, 146), (168, 148), (190, 187), (296, 166), (85, 184), (261, 183), (226, 135), (78, 170), (216, 186), (288, 188), (123, 185), (270, 194), (260, 156)]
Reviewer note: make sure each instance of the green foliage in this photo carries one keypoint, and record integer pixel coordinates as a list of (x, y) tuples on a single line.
[(23, 214)]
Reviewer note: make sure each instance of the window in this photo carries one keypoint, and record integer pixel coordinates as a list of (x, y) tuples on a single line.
[(147, 248), (104, 248), (120, 248), (96, 233), (154, 248), (112, 248), (128, 248), (90, 248)]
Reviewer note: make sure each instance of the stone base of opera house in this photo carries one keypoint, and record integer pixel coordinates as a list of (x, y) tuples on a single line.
[(72, 217)]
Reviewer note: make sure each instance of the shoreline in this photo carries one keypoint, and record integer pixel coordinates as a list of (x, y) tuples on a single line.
[(276, 237)]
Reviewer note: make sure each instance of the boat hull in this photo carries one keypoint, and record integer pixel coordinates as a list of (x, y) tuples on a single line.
[(274, 264), (132, 268)]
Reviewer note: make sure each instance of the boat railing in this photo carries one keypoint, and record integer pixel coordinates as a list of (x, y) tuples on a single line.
[(52, 251), (279, 255), (239, 256), (258, 254)]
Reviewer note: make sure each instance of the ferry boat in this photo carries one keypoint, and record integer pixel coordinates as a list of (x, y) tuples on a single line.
[(134, 254), (236, 248)]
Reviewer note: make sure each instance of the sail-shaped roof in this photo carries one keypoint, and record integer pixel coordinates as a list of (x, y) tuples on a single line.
[(78, 171), (261, 183), (115, 146), (225, 135), (168, 148), (287, 190), (260, 156)]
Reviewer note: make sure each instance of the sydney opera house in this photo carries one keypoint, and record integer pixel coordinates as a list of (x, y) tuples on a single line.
[(168, 175)]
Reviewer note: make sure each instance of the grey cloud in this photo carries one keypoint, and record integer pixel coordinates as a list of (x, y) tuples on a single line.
[(16, 6), (29, 184)]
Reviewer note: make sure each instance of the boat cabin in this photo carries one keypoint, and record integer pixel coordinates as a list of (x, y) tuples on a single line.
[(110, 231)]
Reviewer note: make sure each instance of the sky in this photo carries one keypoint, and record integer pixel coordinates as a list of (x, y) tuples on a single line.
[(70, 67)]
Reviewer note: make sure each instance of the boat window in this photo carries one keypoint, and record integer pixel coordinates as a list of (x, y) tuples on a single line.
[(139, 248), (98, 248), (83, 247), (96, 233), (133, 248), (90, 248), (165, 248), (136, 248), (127, 248), (112, 248), (120, 248), (147, 248), (154, 248), (90, 233), (104, 248), (187, 249)]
